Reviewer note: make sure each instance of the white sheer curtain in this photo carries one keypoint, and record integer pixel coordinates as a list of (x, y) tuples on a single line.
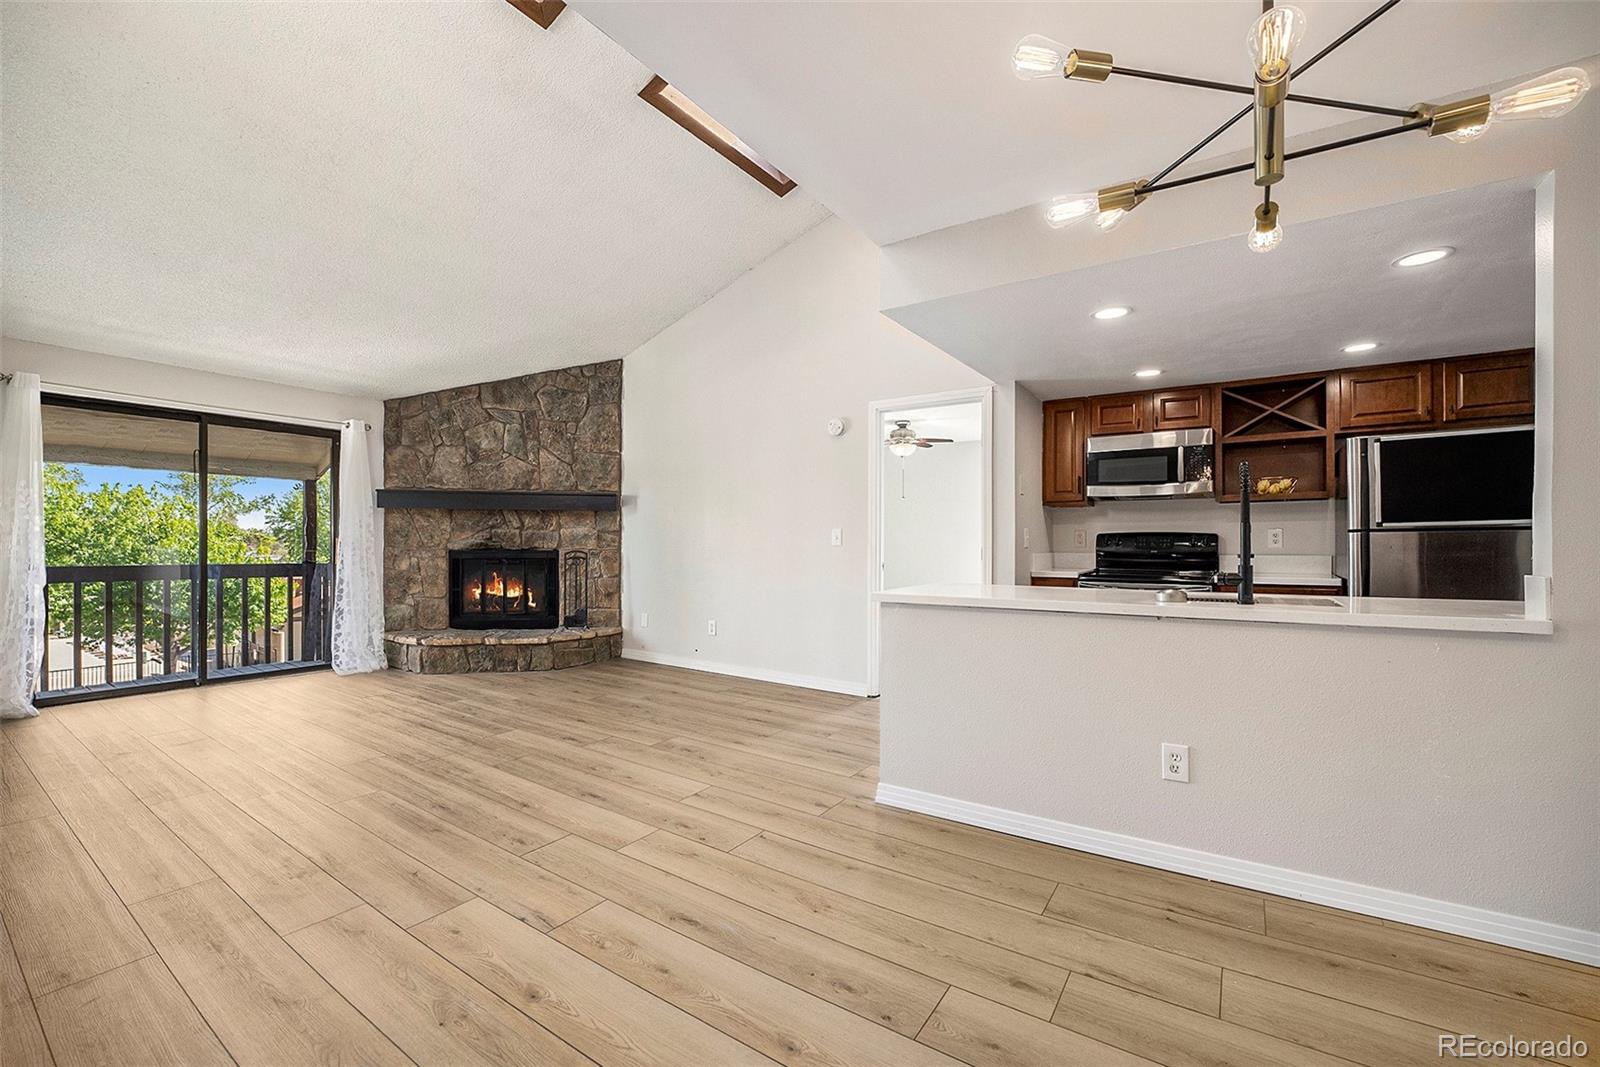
[(21, 544), (358, 573)]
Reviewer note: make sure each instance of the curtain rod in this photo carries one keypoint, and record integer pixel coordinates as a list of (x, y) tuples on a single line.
[(134, 398)]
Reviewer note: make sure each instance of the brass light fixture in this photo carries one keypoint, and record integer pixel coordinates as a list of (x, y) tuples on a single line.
[(1272, 41)]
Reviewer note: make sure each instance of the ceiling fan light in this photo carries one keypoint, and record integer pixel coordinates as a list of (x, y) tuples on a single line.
[(902, 440), (1066, 210), (1549, 96), (1273, 39), (1039, 57)]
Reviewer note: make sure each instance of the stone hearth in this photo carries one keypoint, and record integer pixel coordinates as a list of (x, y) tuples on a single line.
[(473, 651), (557, 430)]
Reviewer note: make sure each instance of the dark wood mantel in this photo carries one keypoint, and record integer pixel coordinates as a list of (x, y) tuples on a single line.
[(497, 500)]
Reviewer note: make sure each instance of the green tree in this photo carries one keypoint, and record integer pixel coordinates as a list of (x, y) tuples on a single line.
[(118, 525), (285, 515)]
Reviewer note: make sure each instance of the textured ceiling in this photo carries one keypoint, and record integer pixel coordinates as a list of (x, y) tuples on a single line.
[(372, 198), (1218, 311), (905, 117)]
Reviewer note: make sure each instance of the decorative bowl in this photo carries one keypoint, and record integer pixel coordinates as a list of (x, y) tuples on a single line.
[(1270, 485)]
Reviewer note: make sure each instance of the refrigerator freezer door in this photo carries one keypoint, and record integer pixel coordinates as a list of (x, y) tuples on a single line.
[(1449, 564), (1471, 477)]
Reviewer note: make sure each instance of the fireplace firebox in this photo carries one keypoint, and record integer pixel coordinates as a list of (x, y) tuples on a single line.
[(504, 589)]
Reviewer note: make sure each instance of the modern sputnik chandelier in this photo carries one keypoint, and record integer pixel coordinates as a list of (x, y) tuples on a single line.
[(1272, 42)]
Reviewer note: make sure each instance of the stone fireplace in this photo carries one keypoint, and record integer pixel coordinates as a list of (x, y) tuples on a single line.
[(500, 486)]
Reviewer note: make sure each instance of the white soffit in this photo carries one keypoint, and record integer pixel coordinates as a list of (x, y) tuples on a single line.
[(905, 118), (377, 199), (1218, 311)]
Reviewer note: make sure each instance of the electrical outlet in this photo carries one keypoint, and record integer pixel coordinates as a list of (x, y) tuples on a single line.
[(644, 619), (1027, 537), (1275, 537), (1080, 537), (836, 537), (711, 627), (1175, 763)]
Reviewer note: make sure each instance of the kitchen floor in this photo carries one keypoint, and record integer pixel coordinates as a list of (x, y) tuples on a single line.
[(630, 864)]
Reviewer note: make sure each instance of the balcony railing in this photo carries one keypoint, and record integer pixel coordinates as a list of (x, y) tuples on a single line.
[(124, 624)]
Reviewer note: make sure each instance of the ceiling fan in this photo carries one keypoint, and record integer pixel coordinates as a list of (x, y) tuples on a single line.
[(903, 440)]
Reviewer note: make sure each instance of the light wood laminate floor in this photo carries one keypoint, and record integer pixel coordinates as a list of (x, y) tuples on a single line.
[(634, 865)]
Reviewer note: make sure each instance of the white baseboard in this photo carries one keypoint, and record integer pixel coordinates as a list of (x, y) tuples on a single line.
[(1570, 943), (760, 674)]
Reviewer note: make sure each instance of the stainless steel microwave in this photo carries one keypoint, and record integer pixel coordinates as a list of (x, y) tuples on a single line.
[(1171, 463)]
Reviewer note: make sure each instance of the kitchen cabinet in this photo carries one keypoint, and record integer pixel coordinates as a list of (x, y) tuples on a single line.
[(1288, 425), (1180, 409), (1496, 386), (1123, 413), (1373, 398), (1065, 431), (1280, 425)]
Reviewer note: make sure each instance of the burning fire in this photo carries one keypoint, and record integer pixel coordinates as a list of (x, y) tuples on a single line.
[(508, 591)]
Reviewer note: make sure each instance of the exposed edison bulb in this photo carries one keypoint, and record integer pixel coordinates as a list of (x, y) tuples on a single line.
[(1039, 57), (1266, 234), (1548, 96), (1273, 40), (1110, 220), (1468, 134), (1065, 210)]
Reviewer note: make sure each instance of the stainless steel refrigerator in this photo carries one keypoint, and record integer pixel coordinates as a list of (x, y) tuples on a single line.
[(1436, 515)]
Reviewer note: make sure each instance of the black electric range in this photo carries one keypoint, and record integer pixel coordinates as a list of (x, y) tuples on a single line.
[(1153, 561)]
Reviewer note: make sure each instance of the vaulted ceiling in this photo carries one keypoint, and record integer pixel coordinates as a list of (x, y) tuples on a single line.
[(905, 117), (372, 198)]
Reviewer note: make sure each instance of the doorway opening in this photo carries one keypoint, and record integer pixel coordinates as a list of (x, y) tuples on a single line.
[(182, 547), (931, 503)]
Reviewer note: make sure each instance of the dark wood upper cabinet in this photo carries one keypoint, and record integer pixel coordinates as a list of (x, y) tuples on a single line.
[(1123, 413), (1496, 386), (1180, 409), (1065, 429), (1382, 397)]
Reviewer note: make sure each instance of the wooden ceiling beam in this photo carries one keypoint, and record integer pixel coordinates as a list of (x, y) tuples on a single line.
[(543, 12)]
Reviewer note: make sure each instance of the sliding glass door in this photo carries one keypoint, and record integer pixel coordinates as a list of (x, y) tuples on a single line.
[(181, 547)]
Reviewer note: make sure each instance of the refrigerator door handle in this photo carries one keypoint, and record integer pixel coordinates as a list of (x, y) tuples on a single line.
[(1374, 483)]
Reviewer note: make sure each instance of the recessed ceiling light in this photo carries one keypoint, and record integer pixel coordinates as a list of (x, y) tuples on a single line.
[(1423, 258), (1115, 312), (1148, 372), (1360, 346)]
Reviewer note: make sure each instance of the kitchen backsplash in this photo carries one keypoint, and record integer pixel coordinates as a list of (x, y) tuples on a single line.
[(1307, 525)]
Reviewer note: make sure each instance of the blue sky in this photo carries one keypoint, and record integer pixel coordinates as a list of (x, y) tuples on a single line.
[(94, 476)]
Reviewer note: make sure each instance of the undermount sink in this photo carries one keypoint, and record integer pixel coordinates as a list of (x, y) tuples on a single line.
[(1267, 598)]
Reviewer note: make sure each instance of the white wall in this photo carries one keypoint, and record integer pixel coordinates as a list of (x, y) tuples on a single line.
[(1032, 517), (158, 383), (933, 515), (730, 481), (1456, 767)]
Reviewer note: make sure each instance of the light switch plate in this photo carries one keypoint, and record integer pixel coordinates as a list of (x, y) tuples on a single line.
[(836, 537)]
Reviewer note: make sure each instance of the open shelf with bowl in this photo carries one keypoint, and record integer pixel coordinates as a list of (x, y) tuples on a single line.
[(1282, 426)]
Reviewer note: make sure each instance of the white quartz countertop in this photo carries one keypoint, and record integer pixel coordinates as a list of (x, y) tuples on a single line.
[(1491, 616)]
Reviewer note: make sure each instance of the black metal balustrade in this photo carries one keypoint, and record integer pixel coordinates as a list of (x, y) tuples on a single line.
[(151, 614)]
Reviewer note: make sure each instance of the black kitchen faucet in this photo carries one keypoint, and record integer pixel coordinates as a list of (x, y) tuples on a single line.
[(1247, 567)]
